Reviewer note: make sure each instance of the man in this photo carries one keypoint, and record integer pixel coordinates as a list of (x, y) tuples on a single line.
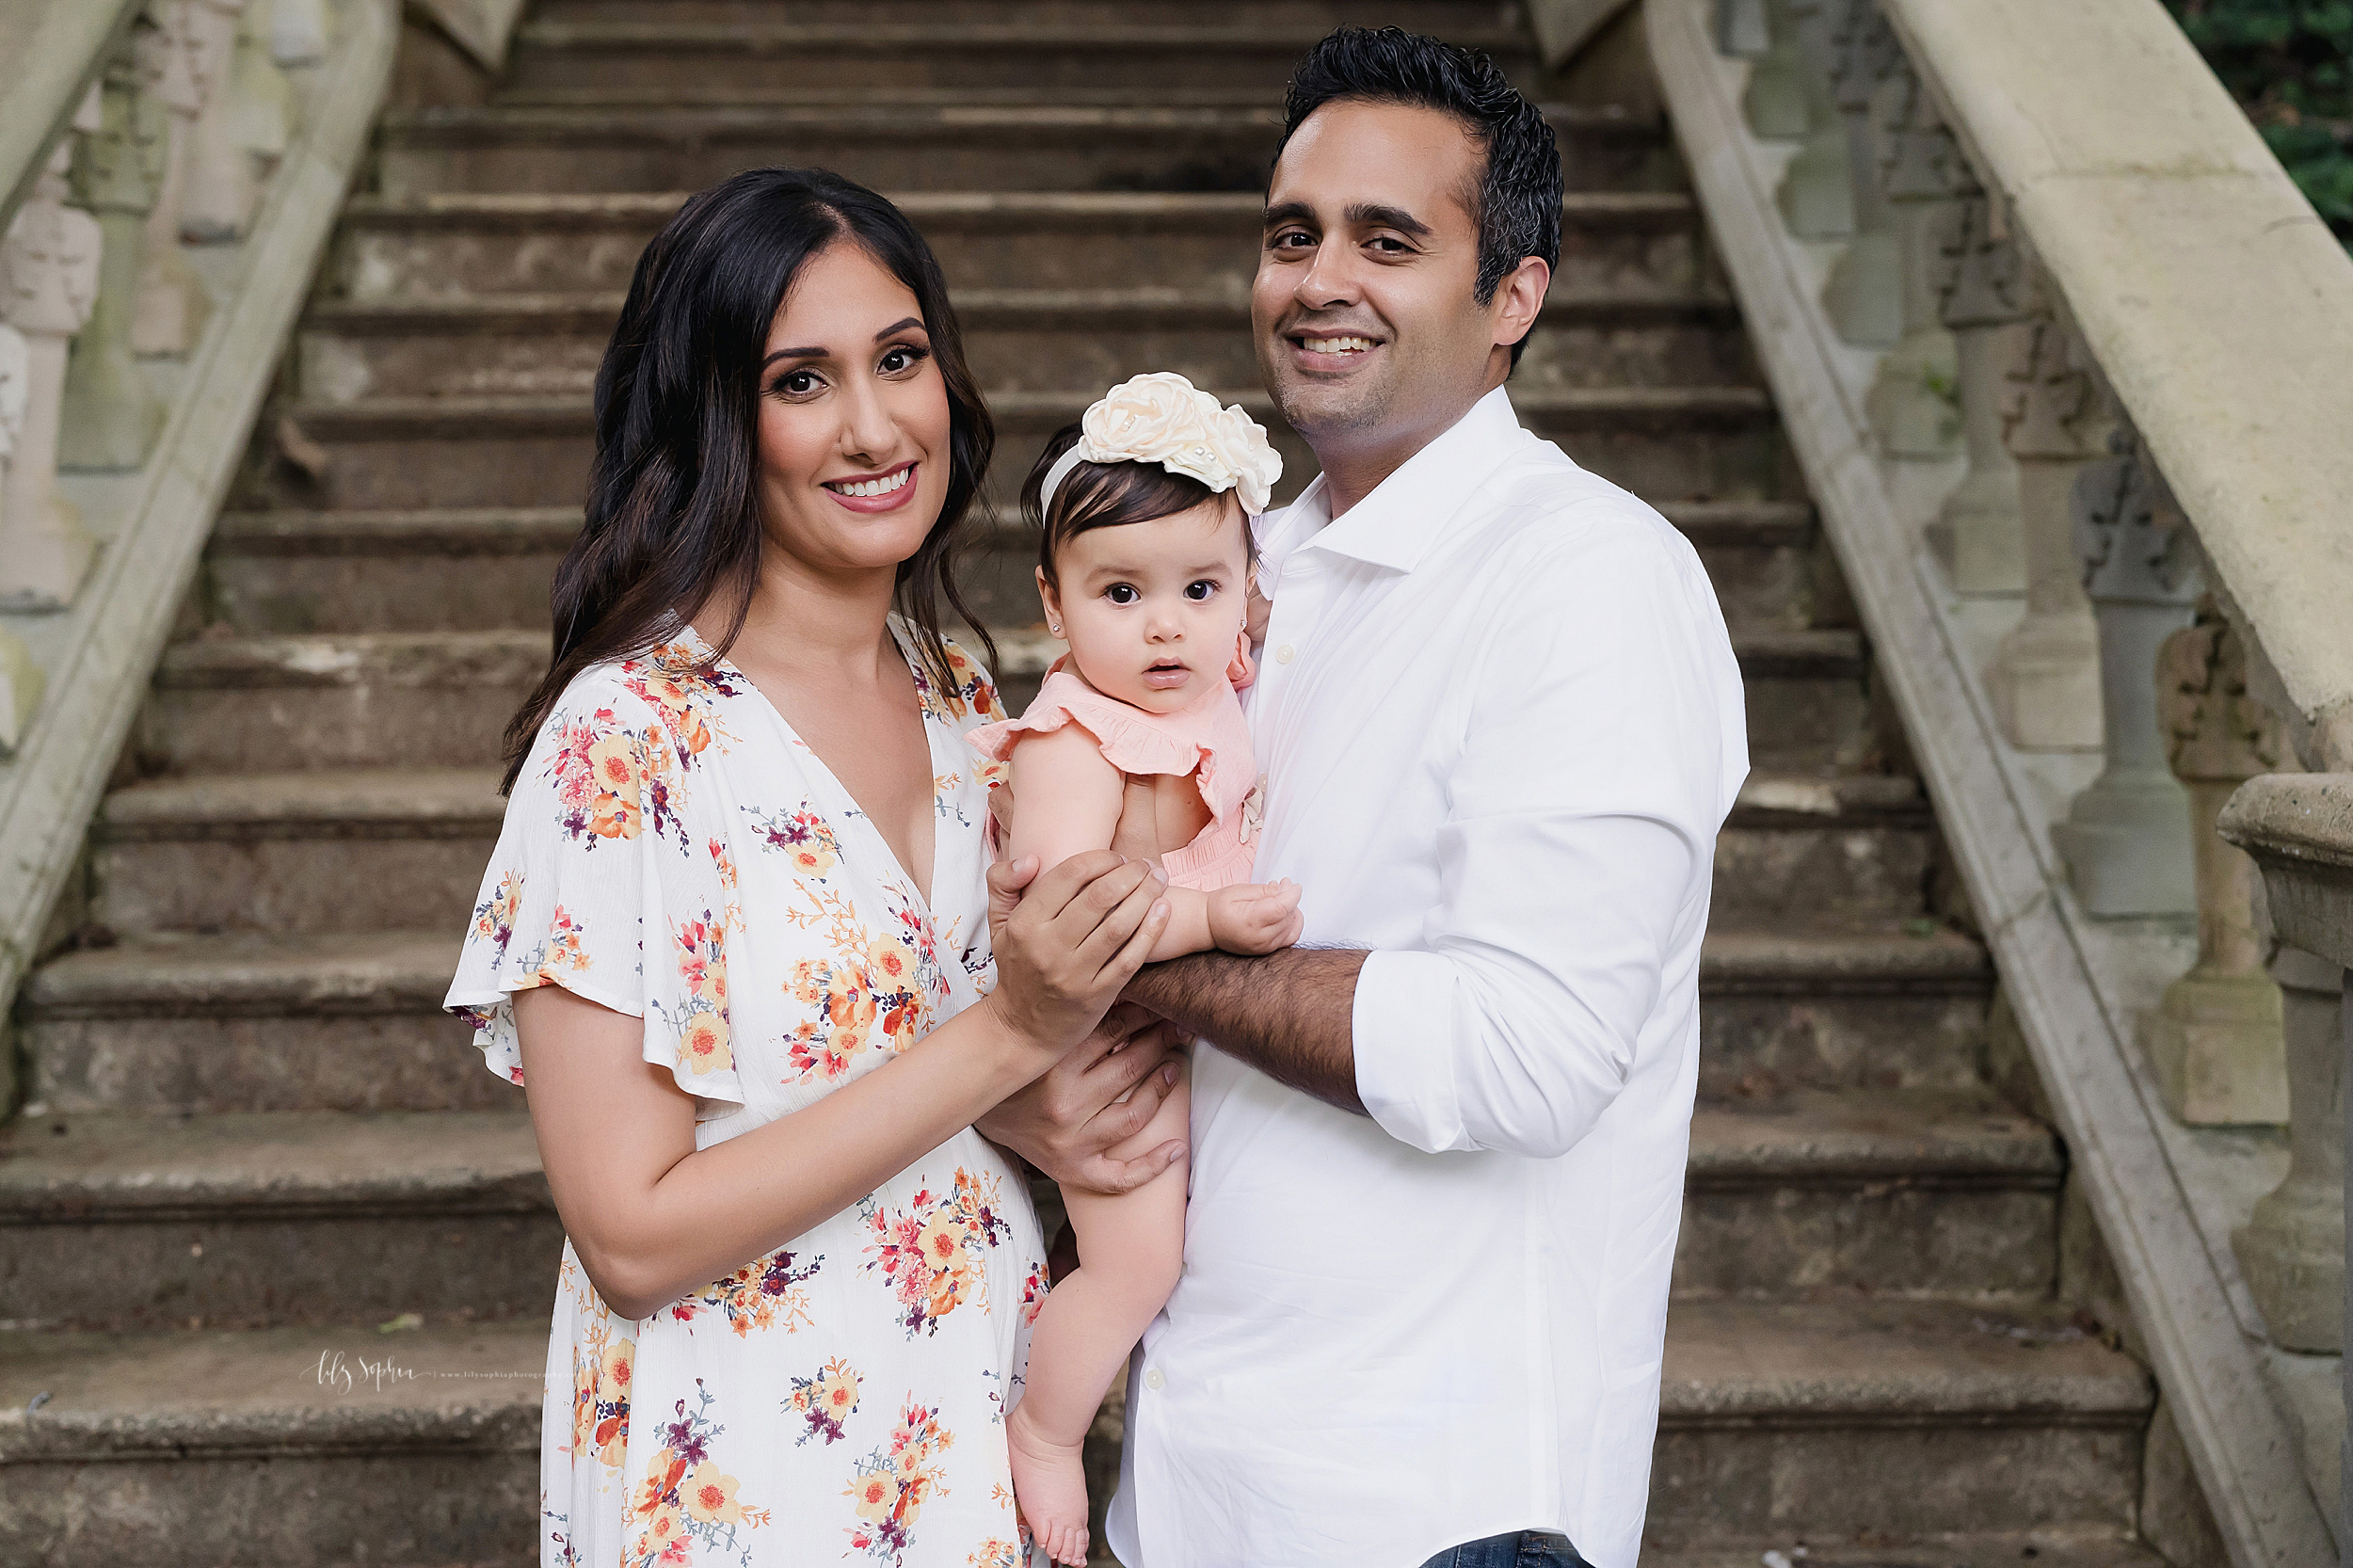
[(1438, 1148)]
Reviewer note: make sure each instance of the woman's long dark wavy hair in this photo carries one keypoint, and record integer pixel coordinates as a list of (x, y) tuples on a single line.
[(672, 520)]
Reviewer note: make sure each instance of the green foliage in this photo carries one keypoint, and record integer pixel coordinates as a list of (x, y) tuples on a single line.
[(2290, 64)]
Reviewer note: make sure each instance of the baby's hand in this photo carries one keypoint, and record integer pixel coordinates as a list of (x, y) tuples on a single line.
[(1255, 917)]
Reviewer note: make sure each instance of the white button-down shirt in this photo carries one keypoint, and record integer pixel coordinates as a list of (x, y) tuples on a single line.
[(1501, 723)]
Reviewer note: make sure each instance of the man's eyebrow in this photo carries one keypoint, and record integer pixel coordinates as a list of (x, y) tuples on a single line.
[(899, 325), (1375, 215), (1290, 212)]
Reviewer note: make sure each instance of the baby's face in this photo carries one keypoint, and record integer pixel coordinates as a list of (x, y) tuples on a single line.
[(1151, 610)]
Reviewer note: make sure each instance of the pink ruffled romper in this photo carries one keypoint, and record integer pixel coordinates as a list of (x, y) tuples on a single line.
[(1207, 738)]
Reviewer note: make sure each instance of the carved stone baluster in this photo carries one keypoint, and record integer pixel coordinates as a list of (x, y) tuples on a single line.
[(1981, 282), (21, 683), (2215, 1039), (260, 98), (221, 188), (19, 677), (299, 31), (112, 414), (1742, 30), (1815, 197), (2126, 839), (2293, 1246), (1914, 404), (1863, 295), (179, 65), (2044, 679), (1777, 101), (49, 264)]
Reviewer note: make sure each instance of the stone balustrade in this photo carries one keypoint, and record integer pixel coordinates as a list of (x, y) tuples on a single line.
[(2064, 354), (174, 169), (179, 111)]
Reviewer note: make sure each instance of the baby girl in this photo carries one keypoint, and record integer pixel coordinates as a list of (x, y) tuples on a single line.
[(1144, 570)]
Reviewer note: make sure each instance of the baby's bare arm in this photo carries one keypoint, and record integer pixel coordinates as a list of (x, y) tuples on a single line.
[(1066, 797)]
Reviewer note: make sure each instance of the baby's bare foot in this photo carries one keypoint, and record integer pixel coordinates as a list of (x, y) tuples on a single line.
[(1050, 1485)]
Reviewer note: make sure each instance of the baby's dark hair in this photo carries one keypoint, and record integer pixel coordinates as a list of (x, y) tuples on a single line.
[(1106, 495)]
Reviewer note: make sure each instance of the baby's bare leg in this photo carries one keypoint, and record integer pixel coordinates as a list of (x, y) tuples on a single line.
[(1130, 1248)]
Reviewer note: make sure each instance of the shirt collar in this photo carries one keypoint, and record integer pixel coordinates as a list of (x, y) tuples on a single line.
[(1396, 523)]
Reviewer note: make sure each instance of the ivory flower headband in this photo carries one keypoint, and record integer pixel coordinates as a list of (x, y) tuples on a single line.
[(1162, 418)]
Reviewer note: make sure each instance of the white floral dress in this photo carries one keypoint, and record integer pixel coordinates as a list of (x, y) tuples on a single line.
[(674, 852)]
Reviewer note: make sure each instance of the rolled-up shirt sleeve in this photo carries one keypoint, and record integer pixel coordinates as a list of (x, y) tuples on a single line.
[(1601, 746)]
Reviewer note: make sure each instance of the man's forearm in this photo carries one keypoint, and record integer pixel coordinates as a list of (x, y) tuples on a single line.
[(1287, 1014)]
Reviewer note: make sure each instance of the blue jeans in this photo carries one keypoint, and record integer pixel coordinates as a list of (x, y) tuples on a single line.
[(1522, 1549)]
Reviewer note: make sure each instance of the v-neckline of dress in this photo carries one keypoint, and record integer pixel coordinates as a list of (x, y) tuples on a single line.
[(844, 804)]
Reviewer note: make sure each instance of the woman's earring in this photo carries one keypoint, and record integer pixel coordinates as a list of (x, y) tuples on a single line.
[(1054, 628)]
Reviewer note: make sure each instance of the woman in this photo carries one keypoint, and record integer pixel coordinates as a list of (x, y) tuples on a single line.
[(735, 940)]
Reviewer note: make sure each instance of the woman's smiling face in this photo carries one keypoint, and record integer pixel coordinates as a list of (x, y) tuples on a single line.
[(854, 422)]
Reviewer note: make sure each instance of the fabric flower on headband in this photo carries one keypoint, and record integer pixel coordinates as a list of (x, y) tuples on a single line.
[(1162, 418)]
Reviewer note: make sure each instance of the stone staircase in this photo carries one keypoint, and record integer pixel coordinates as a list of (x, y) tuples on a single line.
[(279, 1257)]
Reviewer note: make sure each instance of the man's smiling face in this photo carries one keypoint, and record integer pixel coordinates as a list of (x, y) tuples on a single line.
[(1367, 331)]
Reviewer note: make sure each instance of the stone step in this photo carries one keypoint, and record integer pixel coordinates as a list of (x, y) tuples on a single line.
[(683, 57), (1670, 443), (277, 572), (1946, 1193), (359, 849), (257, 1021), (253, 1219), (2091, 1547), (445, 244), (913, 146), (328, 849), (1851, 851), (1892, 1419), (352, 1021), (1894, 1422), (249, 1218), (288, 1447), (1016, 341), (1445, 18), (372, 699), (454, 570), (1902, 1007), (431, 700)]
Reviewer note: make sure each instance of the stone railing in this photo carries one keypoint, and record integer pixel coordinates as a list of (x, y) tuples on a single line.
[(183, 162), (2066, 360)]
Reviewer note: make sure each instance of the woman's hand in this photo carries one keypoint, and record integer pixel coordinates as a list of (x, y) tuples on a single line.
[(1067, 941), (1092, 1101)]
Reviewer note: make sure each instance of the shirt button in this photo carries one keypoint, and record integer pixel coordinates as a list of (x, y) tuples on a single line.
[(1153, 1380), (1284, 654)]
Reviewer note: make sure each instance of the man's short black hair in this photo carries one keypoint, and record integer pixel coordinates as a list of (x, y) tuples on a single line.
[(1517, 205)]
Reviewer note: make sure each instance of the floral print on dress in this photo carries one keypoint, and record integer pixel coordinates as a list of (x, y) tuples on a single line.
[(767, 1292), (894, 1482), (698, 1021), (994, 1553), (1034, 1291), (673, 852), (602, 1368), (685, 1498), (931, 1251), (970, 691), (825, 1400), (800, 834)]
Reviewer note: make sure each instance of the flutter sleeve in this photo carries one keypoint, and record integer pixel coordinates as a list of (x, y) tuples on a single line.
[(599, 885)]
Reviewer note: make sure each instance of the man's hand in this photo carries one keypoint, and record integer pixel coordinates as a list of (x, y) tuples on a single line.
[(1094, 1099)]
